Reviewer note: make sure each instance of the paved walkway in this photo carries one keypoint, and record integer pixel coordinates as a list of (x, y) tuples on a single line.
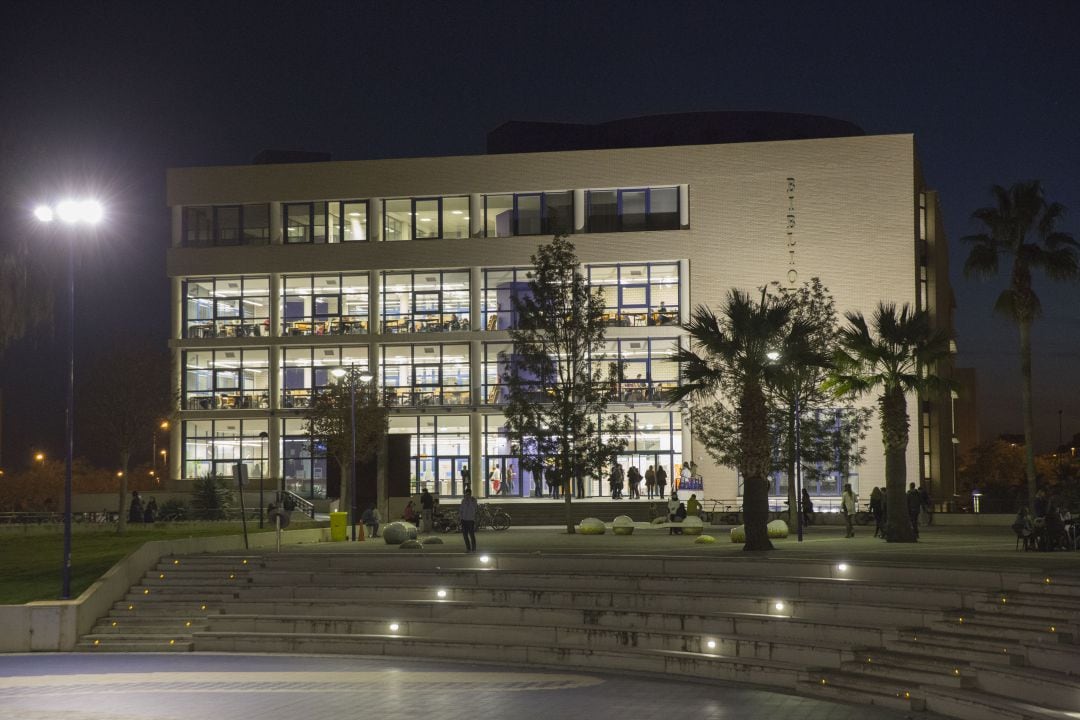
[(263, 687), (938, 545)]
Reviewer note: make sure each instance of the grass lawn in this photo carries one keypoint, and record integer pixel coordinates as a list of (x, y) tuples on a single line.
[(30, 555)]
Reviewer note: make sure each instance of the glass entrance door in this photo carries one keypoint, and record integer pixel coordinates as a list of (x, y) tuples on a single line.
[(450, 483)]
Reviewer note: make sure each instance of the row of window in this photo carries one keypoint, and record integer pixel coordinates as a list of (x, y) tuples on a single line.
[(411, 375), (416, 301), (421, 218), (439, 453)]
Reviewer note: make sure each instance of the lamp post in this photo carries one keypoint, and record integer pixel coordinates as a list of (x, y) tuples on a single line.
[(70, 212), (263, 439), (365, 377), (774, 356)]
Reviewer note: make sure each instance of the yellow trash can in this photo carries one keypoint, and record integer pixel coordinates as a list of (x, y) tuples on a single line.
[(339, 521)]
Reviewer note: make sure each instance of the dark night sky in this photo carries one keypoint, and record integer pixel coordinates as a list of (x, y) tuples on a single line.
[(107, 95)]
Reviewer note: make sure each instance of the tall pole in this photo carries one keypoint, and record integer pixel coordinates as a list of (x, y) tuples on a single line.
[(798, 469), (352, 464), (65, 592)]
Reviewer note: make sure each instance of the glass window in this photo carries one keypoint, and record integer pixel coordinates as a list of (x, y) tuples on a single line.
[(646, 371), (213, 447), (420, 375), (305, 222), (198, 226), (455, 217), (434, 301), (633, 209), (528, 214), (226, 379), (397, 216), (324, 304), (426, 215), (305, 371), (256, 224), (499, 215), (501, 286), (439, 450), (303, 463), (558, 213), (354, 221), (227, 307), (228, 224), (638, 295)]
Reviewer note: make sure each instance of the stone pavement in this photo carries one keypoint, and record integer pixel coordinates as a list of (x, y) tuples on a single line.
[(939, 545), (269, 687)]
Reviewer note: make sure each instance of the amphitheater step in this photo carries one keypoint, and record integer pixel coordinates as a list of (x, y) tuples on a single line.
[(1041, 686), (852, 687), (980, 705)]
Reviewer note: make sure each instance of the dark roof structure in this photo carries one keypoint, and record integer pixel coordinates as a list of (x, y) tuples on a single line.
[(698, 128)]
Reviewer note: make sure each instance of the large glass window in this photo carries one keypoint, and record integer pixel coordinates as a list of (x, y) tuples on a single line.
[(213, 447), (305, 370), (425, 301), (227, 307), (206, 226), (646, 369), (425, 218), (501, 286), (226, 379), (348, 221), (638, 295), (632, 209), (303, 463), (542, 213), (439, 450), (426, 374), (305, 222), (324, 304)]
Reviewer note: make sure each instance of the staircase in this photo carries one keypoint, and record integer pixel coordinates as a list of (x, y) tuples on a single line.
[(966, 643)]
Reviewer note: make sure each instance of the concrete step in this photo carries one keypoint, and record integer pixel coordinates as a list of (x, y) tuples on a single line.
[(160, 607), (926, 643), (152, 625), (968, 704), (1015, 629), (1040, 686), (913, 670), (853, 687), (124, 644)]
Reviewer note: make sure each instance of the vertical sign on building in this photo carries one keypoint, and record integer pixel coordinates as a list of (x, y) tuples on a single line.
[(792, 273)]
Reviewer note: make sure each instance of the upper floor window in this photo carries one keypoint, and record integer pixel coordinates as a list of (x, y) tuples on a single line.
[(305, 370), (324, 304), (632, 209), (645, 365), (501, 286), (542, 213), (425, 218), (638, 295), (207, 226), (326, 222), (425, 301), (426, 374), (226, 379), (227, 307)]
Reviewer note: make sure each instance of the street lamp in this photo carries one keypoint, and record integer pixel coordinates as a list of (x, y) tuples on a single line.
[(163, 426), (73, 213), (354, 376), (773, 356), (39, 457)]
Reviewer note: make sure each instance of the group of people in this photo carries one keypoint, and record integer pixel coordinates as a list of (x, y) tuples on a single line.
[(917, 501), (656, 480), (1049, 525), (138, 513)]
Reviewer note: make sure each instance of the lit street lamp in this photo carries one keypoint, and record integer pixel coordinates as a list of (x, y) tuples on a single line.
[(774, 356), (354, 376), (73, 213)]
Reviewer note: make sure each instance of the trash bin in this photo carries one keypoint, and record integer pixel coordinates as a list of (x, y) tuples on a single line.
[(339, 521)]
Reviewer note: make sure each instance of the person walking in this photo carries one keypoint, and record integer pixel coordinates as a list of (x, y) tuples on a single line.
[(508, 483), (650, 482), (661, 481), (927, 505), (633, 479), (877, 509), (848, 505), (466, 479), (613, 482), (914, 505), (150, 513), (135, 511), (807, 508), (427, 510), (467, 513)]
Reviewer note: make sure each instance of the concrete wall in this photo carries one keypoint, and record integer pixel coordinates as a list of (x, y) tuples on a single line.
[(55, 625)]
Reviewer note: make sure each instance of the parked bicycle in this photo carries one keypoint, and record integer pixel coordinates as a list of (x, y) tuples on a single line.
[(486, 517)]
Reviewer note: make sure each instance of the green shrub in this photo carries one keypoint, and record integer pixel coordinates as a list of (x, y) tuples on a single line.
[(211, 499), (172, 510)]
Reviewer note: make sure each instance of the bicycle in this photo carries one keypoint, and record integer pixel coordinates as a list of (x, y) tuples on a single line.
[(497, 519)]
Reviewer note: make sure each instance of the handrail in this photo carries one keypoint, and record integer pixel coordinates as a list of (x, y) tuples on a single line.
[(301, 502)]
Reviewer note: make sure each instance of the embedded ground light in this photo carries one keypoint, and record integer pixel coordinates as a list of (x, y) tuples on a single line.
[(394, 627), (441, 593)]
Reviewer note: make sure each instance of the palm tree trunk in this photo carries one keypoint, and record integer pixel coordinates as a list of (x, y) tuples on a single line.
[(121, 523), (755, 445), (1025, 402), (894, 434)]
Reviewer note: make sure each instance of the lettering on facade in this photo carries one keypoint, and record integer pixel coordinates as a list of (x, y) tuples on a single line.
[(792, 272)]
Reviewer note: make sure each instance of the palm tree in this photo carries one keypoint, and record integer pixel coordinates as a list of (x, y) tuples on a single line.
[(1022, 226), (896, 359), (730, 358)]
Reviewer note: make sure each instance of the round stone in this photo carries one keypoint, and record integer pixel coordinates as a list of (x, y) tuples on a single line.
[(591, 526), (398, 532), (623, 525), (704, 540), (411, 545)]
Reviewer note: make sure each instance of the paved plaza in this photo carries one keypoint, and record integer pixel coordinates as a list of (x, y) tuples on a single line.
[(269, 687)]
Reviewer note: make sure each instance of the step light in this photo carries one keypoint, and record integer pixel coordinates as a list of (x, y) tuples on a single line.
[(131, 607), (146, 591), (114, 623), (394, 627), (710, 644), (441, 594), (484, 559), (842, 567), (161, 576), (779, 606)]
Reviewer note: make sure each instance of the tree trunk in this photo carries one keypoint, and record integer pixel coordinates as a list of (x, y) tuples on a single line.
[(755, 448), (1025, 403), (792, 491), (567, 479), (894, 435), (121, 523)]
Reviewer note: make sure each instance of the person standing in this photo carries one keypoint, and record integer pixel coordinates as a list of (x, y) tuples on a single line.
[(135, 511), (467, 513), (508, 483), (877, 509), (427, 510), (914, 505), (686, 473), (494, 480), (650, 481), (466, 479), (613, 482), (661, 481), (927, 505), (807, 508), (579, 479), (848, 505), (633, 479)]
